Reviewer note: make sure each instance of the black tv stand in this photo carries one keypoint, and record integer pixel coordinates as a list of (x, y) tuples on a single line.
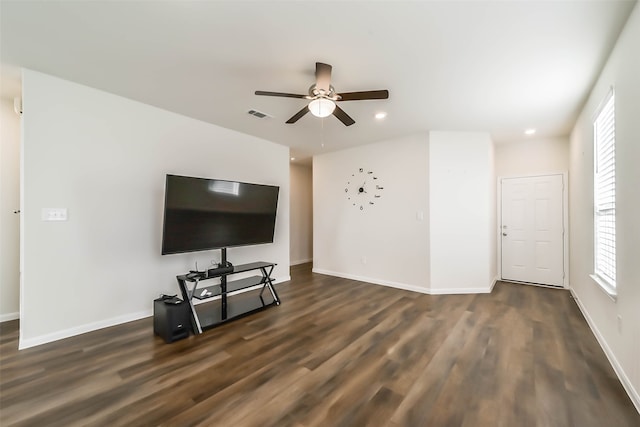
[(227, 303)]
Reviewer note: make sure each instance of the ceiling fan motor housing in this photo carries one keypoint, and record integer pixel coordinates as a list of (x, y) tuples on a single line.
[(315, 93)]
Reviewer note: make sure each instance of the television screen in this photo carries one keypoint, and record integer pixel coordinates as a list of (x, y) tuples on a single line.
[(202, 214)]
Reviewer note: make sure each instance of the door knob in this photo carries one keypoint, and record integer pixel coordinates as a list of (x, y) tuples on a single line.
[(504, 234)]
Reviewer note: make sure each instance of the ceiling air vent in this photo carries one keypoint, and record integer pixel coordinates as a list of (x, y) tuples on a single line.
[(258, 114)]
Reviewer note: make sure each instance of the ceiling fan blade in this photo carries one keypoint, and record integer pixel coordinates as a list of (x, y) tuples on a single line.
[(286, 95), (298, 115), (369, 94), (343, 117), (323, 76)]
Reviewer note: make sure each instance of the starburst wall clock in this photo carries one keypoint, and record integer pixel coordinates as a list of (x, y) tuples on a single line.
[(363, 189)]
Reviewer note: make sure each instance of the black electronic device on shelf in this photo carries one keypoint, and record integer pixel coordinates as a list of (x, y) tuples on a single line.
[(219, 271), (222, 269)]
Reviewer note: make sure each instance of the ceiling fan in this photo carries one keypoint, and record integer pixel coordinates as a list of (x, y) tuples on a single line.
[(323, 97)]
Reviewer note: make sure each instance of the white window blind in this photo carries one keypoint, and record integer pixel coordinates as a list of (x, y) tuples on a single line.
[(604, 192)]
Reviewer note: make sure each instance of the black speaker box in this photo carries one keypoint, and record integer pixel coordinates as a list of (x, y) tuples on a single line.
[(171, 319)]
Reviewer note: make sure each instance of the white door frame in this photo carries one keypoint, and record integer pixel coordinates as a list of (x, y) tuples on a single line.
[(565, 219)]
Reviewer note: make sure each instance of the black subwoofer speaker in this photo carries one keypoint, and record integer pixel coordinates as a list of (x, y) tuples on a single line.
[(171, 319)]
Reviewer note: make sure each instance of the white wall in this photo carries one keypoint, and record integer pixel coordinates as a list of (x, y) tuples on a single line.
[(622, 344), (532, 156), (493, 231), (301, 229), (9, 202), (385, 243), (462, 217), (104, 158)]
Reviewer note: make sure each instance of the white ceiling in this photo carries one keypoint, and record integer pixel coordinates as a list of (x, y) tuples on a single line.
[(496, 66)]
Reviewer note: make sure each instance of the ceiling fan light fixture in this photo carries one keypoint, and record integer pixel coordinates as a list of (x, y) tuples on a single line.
[(322, 97), (322, 107)]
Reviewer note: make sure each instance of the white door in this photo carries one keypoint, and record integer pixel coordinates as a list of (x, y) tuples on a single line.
[(532, 229)]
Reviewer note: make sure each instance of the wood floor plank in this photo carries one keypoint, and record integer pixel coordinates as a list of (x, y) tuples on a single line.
[(337, 352)]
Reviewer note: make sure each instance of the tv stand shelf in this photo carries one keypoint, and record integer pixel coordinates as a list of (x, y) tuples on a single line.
[(230, 304), (235, 285)]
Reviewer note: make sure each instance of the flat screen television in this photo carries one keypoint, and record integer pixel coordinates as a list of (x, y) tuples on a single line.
[(202, 214)]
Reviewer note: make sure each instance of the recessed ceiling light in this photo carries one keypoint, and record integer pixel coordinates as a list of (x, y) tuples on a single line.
[(529, 131), (381, 115), (293, 158)]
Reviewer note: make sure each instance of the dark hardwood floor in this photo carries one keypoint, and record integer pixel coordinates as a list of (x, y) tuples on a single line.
[(336, 353)]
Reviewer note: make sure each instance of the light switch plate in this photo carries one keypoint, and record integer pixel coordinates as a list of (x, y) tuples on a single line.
[(54, 214)]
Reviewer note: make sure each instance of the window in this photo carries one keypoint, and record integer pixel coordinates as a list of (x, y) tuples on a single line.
[(604, 195)]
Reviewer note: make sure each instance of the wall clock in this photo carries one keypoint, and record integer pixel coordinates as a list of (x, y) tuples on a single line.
[(363, 189)]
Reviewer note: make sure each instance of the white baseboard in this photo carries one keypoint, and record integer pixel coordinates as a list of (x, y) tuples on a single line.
[(493, 284), (77, 330), (281, 279), (9, 316), (301, 261), (54, 336), (622, 376), (458, 291), (404, 286), (391, 284)]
